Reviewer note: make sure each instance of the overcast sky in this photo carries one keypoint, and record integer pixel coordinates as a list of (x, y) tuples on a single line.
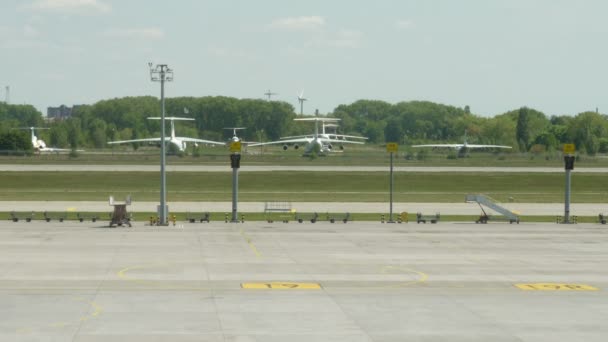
[(494, 56)]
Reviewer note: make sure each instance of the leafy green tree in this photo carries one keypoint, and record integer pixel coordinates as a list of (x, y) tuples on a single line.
[(586, 130), (393, 131), (546, 139), (59, 135), (14, 141)]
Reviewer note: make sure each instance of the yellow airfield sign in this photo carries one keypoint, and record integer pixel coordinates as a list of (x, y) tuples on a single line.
[(569, 149), (392, 147), (281, 286), (555, 287), (235, 146)]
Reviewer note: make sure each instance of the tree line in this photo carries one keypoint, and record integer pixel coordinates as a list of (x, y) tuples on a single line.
[(408, 123)]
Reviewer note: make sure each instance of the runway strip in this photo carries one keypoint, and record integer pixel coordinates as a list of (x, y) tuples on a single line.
[(267, 168)]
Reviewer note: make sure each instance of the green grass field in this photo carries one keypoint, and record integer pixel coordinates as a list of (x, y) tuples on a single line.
[(302, 186)]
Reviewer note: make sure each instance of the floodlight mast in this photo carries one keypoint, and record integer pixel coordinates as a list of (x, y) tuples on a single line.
[(161, 73)]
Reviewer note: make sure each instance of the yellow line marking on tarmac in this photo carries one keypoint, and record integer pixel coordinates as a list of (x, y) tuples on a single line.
[(278, 285), (250, 243), (96, 312), (555, 287), (423, 277), (122, 274)]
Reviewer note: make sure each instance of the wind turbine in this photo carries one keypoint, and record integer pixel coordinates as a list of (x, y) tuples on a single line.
[(301, 99), (269, 94)]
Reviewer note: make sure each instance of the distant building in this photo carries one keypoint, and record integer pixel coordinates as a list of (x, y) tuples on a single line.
[(59, 113)]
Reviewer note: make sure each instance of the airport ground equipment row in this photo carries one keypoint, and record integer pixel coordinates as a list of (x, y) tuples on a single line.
[(483, 200), (48, 217), (601, 218), (431, 218)]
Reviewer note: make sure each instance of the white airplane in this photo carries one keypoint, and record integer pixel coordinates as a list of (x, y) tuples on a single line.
[(327, 135), (39, 144), (179, 142), (314, 142), (464, 146)]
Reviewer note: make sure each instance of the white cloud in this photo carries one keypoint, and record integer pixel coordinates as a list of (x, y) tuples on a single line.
[(342, 39), (298, 23), (404, 25), (148, 33), (30, 32), (346, 39), (69, 6)]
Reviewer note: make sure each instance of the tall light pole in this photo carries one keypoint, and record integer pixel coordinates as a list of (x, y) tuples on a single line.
[(161, 73)]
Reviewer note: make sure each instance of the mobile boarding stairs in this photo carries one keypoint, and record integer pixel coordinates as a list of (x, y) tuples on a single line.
[(485, 201)]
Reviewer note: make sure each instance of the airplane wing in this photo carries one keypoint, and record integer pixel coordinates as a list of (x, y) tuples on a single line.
[(136, 140), (297, 136), (459, 146), (456, 146), (338, 141), (286, 141), (487, 146), (200, 141), (342, 136), (53, 149)]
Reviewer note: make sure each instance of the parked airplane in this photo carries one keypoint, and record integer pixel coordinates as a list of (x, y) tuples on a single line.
[(327, 135), (179, 142), (315, 142), (463, 147), (39, 144)]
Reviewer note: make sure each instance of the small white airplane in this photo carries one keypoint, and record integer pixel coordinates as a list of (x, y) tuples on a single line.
[(179, 142), (39, 145), (315, 142), (464, 146)]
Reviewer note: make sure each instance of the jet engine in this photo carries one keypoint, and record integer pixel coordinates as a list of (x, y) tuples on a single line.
[(285, 147), (329, 147), (342, 147), (296, 146)]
